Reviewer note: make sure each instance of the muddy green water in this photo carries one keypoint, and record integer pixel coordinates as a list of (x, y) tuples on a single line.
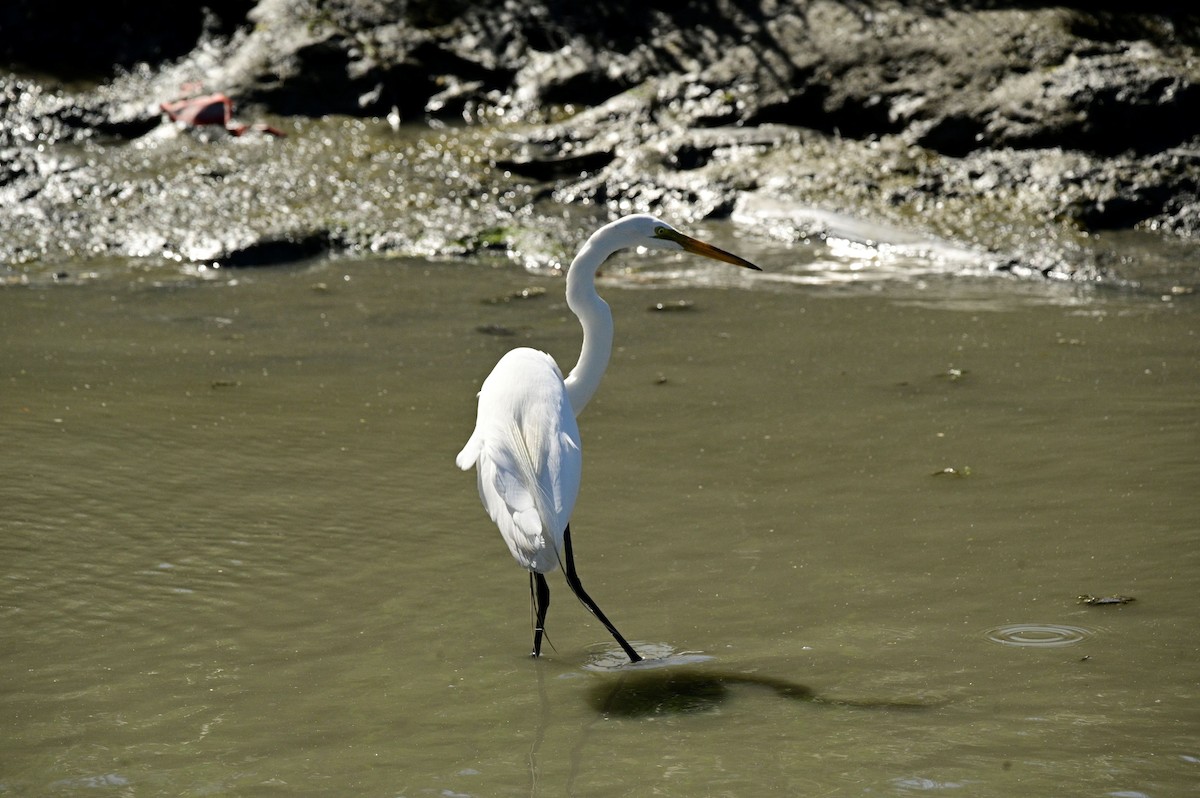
[(236, 557)]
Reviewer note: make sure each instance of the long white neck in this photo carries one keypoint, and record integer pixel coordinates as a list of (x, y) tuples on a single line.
[(595, 317)]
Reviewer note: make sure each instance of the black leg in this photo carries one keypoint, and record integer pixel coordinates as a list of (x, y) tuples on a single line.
[(577, 588), (541, 603)]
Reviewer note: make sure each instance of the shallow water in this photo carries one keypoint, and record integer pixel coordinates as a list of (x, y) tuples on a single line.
[(850, 524)]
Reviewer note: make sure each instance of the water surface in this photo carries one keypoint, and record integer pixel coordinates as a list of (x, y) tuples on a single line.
[(237, 558)]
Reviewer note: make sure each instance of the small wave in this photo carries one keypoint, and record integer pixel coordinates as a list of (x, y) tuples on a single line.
[(655, 655), (1037, 635)]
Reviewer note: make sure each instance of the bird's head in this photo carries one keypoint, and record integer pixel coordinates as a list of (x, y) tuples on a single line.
[(660, 235)]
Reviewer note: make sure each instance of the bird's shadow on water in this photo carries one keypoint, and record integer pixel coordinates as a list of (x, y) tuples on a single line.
[(649, 693), (679, 685)]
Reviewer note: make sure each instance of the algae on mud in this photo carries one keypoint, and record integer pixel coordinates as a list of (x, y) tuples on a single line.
[(176, 201)]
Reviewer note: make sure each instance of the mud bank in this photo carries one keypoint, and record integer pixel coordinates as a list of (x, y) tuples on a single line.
[(1019, 132)]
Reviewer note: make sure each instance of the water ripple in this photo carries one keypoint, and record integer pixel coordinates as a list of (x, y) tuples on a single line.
[(1037, 635), (657, 655)]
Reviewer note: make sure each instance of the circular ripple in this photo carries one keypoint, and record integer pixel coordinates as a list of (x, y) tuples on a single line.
[(657, 655), (1037, 635)]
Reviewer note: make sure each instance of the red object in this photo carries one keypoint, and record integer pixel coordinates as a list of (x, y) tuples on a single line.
[(211, 109)]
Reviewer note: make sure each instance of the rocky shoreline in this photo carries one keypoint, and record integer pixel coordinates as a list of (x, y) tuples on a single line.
[(1019, 131)]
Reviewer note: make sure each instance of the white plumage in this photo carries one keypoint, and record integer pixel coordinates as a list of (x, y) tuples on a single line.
[(526, 451)]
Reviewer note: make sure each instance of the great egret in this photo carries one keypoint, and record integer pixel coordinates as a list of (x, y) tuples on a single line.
[(526, 447)]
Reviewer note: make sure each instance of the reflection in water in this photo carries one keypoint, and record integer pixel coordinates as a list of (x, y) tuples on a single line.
[(647, 693), (542, 725)]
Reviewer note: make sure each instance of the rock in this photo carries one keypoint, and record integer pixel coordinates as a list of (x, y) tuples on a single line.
[(556, 167), (97, 40), (288, 248), (1129, 99)]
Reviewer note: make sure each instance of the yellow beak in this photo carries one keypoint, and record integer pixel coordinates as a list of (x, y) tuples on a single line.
[(698, 247)]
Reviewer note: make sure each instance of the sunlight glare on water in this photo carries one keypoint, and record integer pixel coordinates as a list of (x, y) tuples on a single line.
[(238, 558)]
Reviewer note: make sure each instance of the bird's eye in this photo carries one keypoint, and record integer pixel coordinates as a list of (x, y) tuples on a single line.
[(660, 232)]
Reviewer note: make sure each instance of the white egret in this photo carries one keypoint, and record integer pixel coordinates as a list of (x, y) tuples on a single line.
[(526, 446)]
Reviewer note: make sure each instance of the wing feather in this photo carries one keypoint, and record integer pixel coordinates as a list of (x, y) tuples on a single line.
[(527, 455)]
